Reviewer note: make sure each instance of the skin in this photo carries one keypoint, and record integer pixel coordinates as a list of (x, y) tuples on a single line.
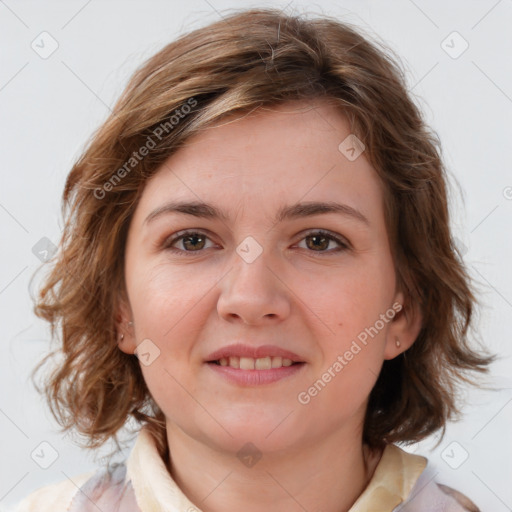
[(313, 301)]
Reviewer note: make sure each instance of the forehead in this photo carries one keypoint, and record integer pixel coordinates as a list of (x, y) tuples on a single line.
[(274, 155)]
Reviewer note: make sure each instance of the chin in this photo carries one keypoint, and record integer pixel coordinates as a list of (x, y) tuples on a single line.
[(267, 432)]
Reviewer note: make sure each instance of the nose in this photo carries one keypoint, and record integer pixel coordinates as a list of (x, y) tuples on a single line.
[(253, 293)]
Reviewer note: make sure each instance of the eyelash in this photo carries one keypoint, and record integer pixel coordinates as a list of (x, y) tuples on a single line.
[(167, 245)]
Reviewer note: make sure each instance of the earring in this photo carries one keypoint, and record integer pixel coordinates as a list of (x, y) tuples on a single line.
[(121, 337), (397, 342)]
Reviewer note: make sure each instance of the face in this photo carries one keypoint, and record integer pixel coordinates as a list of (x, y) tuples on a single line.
[(316, 282)]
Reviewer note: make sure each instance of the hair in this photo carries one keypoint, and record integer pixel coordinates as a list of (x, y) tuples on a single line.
[(250, 59)]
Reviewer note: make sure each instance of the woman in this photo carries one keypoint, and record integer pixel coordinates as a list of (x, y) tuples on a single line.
[(257, 266)]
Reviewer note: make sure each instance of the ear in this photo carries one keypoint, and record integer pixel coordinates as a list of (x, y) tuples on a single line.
[(124, 325), (404, 327)]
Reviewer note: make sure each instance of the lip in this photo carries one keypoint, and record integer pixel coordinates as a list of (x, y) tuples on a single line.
[(241, 350), (255, 377)]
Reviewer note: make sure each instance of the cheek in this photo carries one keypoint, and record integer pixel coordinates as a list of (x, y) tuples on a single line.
[(173, 391), (347, 300), (169, 309), (165, 299)]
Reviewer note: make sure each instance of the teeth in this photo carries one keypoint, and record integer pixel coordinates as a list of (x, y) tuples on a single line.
[(264, 363), (248, 363), (277, 362)]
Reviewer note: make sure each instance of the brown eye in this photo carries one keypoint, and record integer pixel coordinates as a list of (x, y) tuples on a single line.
[(193, 242), (190, 241), (319, 241)]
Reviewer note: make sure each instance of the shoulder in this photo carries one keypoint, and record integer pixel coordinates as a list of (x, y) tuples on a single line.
[(430, 494), (54, 497), (414, 478), (460, 498)]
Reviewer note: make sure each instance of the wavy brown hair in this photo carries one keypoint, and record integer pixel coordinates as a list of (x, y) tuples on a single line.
[(249, 59)]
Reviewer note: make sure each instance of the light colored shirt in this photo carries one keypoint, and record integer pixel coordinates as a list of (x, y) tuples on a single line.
[(401, 482)]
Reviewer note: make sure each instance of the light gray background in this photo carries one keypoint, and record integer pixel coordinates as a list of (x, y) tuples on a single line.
[(49, 108)]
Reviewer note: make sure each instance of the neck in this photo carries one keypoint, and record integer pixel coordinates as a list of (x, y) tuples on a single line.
[(328, 475)]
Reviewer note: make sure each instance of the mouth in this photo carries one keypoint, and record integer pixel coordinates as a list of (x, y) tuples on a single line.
[(255, 372), (261, 363)]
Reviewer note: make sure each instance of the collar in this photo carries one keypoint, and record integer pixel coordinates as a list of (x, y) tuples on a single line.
[(392, 481), (156, 490)]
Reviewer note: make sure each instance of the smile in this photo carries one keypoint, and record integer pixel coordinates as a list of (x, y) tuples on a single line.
[(249, 372), (249, 363)]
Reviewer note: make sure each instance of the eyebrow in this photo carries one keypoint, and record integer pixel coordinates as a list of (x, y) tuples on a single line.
[(295, 211)]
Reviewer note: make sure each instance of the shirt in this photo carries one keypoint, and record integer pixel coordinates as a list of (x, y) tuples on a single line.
[(402, 482)]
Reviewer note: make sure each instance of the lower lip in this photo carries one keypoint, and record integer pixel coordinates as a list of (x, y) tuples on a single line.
[(256, 377)]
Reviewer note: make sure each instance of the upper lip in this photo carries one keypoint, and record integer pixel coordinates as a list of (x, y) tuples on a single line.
[(241, 350)]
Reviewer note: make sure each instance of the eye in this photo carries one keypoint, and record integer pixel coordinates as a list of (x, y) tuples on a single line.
[(195, 241), (319, 241), (190, 241)]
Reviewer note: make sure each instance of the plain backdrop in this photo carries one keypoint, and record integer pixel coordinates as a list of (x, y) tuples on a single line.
[(457, 56)]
